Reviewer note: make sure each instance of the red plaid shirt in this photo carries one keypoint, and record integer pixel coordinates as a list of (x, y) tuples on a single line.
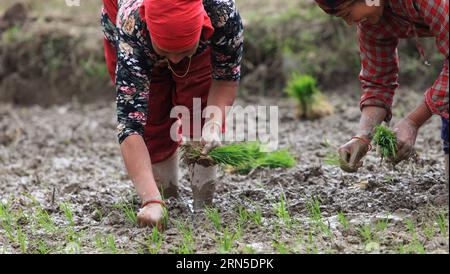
[(379, 57)]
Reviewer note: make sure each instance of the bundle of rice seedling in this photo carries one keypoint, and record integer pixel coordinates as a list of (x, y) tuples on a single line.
[(311, 104), (386, 142), (233, 155), (241, 158)]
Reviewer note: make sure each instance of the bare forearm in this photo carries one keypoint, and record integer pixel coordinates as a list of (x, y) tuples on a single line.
[(420, 115), (138, 164), (222, 94), (371, 116)]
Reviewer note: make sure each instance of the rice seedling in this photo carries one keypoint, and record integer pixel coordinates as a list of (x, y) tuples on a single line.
[(382, 225), (281, 210), (366, 233), (7, 220), (65, 208), (311, 103), (42, 247), (442, 223), (106, 243), (187, 241), (332, 159), (311, 246), (276, 159), (256, 216), (248, 250), (244, 216), (44, 220), (226, 241), (429, 231), (343, 221), (22, 240), (111, 244), (413, 247), (280, 247), (313, 207), (386, 142), (410, 226), (214, 216), (128, 210)]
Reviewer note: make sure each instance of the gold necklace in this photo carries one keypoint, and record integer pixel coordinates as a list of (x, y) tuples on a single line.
[(187, 71)]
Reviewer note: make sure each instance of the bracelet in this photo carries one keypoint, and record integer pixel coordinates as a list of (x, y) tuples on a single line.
[(153, 201), (364, 140)]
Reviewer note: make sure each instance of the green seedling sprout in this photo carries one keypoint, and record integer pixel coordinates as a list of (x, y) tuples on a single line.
[(386, 142)]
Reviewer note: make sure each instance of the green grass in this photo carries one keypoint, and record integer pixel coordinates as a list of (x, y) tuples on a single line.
[(386, 142), (315, 214)]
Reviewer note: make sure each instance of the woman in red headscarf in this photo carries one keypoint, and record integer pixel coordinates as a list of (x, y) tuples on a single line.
[(162, 54), (381, 24)]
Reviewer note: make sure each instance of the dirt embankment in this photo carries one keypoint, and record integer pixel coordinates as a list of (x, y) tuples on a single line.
[(54, 57)]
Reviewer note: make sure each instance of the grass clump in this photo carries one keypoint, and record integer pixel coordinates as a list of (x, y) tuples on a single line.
[(311, 103), (386, 142)]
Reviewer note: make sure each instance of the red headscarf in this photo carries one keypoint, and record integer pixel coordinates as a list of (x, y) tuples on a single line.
[(176, 25), (332, 6)]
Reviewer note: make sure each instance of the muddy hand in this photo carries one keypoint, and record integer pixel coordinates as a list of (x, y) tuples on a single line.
[(406, 131), (211, 136), (151, 215), (351, 153)]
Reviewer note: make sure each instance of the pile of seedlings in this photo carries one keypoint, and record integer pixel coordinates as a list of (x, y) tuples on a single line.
[(311, 104), (240, 157)]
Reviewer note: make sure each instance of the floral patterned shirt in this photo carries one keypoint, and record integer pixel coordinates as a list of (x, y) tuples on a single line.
[(127, 32)]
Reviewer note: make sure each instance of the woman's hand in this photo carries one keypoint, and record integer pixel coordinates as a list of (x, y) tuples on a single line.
[(211, 136), (406, 131)]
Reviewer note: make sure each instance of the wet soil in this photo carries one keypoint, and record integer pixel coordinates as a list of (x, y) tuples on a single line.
[(68, 154)]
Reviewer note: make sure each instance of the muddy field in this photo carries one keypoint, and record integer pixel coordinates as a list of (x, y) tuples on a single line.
[(64, 189)]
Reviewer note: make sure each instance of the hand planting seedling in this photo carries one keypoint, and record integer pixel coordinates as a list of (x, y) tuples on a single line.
[(311, 102), (386, 142), (241, 158)]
